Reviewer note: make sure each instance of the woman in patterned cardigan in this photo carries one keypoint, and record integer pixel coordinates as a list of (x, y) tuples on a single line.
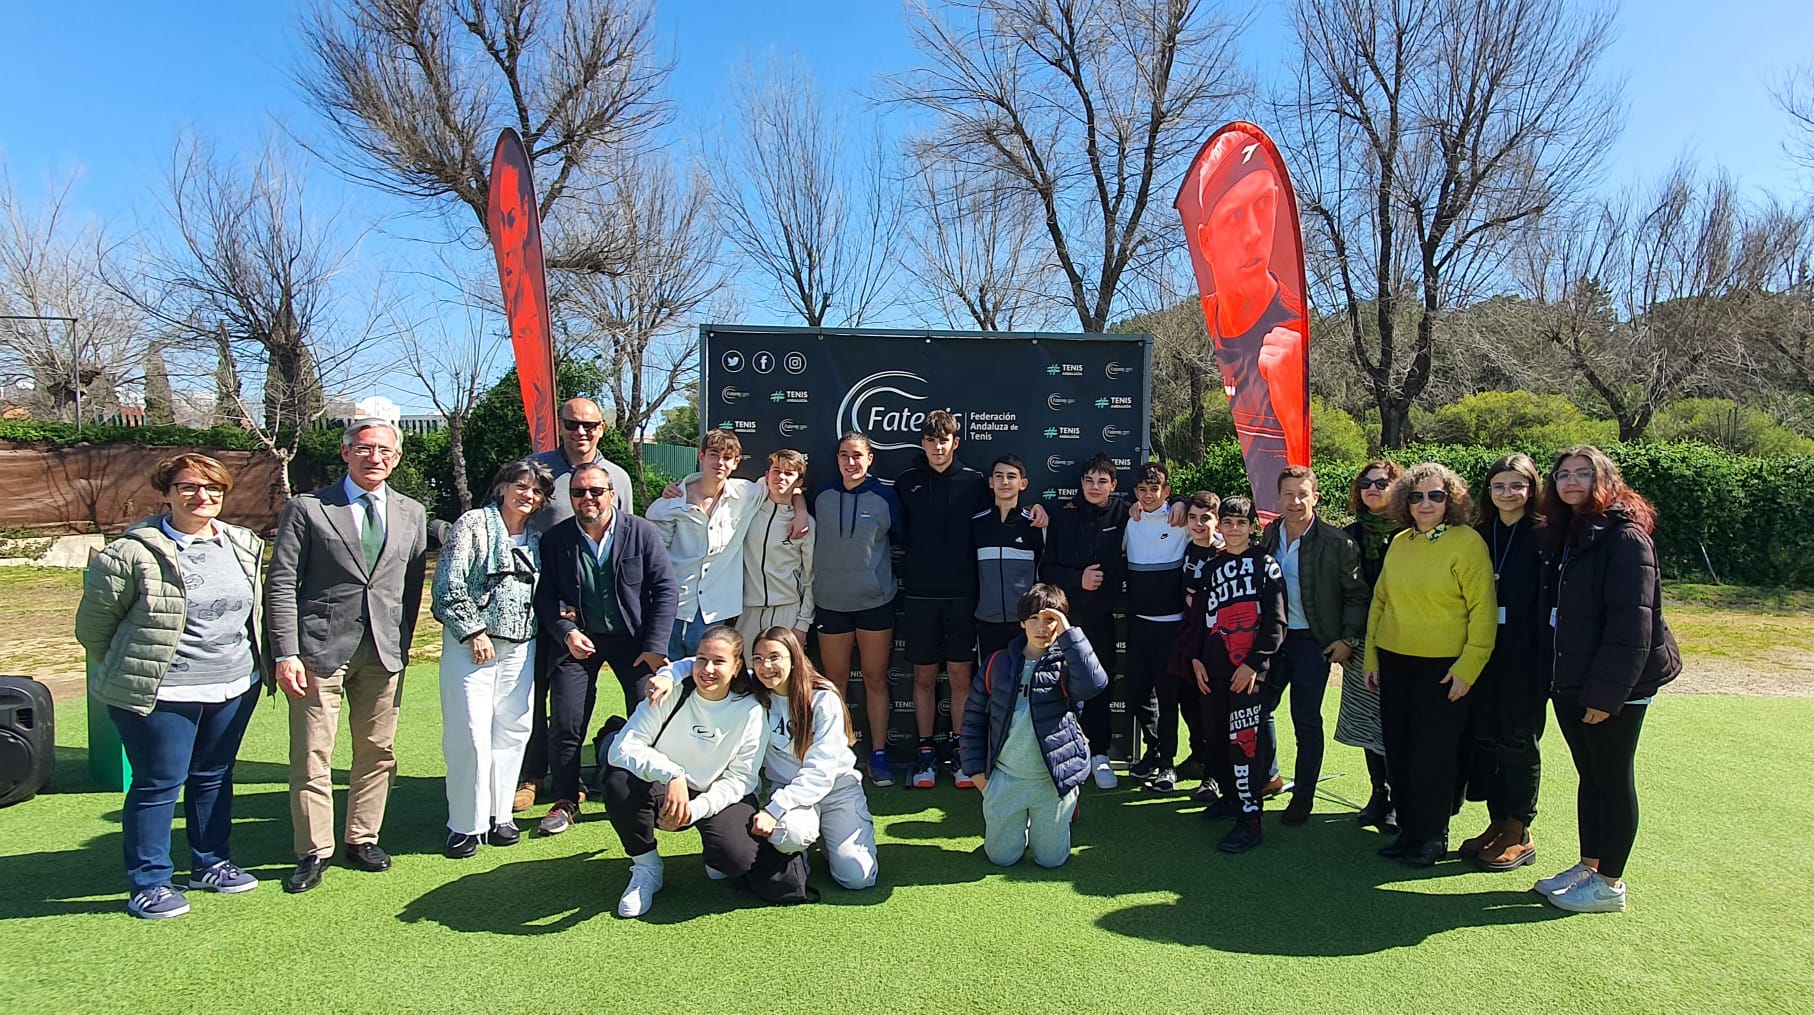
[(483, 587)]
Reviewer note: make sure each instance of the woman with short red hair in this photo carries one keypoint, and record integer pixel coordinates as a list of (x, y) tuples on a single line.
[(1610, 653)]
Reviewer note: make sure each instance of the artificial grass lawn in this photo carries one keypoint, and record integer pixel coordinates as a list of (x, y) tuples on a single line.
[(1146, 917)]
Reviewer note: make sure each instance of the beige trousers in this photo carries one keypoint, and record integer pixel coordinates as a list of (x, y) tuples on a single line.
[(371, 695)]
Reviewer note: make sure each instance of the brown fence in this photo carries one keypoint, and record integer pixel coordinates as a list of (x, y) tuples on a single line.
[(52, 491)]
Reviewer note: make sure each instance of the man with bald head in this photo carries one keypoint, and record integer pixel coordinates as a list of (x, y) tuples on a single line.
[(582, 424)]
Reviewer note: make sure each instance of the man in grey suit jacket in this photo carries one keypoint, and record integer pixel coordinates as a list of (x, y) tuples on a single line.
[(345, 582)]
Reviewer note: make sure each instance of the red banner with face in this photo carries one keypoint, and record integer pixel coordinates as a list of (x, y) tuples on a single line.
[(515, 223), (1241, 222)]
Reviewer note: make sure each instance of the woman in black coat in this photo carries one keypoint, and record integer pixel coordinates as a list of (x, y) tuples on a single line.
[(1611, 651)]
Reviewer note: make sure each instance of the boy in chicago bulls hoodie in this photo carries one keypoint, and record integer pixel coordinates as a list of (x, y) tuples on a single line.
[(1244, 621)]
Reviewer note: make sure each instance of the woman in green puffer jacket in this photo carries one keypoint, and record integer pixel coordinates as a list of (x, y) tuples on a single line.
[(172, 621)]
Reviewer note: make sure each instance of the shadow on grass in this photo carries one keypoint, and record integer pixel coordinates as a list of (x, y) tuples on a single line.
[(1313, 890), (531, 897)]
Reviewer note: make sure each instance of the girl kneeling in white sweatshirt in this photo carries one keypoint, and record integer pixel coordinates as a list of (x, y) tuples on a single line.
[(689, 758), (817, 793)]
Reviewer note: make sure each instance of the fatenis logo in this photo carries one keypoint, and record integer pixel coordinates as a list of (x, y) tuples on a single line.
[(1114, 371), (889, 406), (789, 428), (1056, 401), (731, 395), (1115, 433), (1056, 463)]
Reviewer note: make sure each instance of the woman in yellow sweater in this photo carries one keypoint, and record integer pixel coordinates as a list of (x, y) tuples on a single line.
[(1429, 633)]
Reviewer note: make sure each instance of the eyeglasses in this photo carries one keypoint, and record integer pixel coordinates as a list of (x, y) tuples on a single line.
[(1434, 496), (215, 490), (373, 451), (1579, 475), (582, 424), (1500, 489), (1374, 484), (583, 492)]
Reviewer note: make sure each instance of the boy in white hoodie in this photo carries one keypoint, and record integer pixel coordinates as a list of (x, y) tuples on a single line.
[(690, 759)]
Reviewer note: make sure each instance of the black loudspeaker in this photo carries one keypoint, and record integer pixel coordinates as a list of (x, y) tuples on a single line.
[(28, 738)]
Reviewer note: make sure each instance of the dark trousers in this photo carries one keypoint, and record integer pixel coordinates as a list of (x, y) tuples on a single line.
[(1151, 694), (1606, 801), (573, 687), (1423, 731), (1301, 668), (1504, 724), (1251, 747), (1094, 717), (187, 747), (535, 753), (1213, 711), (992, 638), (724, 838)]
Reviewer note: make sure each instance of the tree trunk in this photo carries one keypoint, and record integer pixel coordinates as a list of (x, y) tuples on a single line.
[(456, 449), (1195, 437), (160, 401), (1394, 422)]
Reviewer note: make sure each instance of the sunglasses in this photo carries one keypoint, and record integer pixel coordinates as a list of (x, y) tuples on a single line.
[(583, 492), (1434, 496), (1374, 484), (582, 424)]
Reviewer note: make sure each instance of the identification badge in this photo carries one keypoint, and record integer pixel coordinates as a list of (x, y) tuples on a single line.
[(1502, 614), (1552, 616)]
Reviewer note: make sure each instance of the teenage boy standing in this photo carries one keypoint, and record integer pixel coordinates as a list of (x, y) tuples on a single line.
[(1083, 557), (777, 561), (1326, 617), (1154, 552), (1008, 546), (1244, 625)]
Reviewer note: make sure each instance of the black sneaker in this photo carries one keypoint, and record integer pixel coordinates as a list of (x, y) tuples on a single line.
[(1243, 837), (1163, 781), (1146, 766), (504, 833), (1208, 793), (1222, 809), (1190, 768)]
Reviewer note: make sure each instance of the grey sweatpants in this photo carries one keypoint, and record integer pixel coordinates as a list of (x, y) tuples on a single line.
[(843, 820), (1018, 813)]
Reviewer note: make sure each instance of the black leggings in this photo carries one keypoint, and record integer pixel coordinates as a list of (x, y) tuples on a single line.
[(1606, 802), (724, 838), (1423, 731), (1095, 712)]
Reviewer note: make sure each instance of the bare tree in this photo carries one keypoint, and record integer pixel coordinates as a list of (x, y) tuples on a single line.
[(416, 90), (1794, 95), (1429, 130), (639, 320), (813, 218), (249, 259), (453, 362), (1649, 299), (976, 244), (1087, 105), (49, 269)]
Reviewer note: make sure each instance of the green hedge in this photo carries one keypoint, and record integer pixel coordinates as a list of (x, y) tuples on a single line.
[(1748, 517)]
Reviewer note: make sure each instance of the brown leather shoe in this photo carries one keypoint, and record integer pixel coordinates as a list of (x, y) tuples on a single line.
[(1472, 847), (1273, 788), (1512, 850), (525, 796)]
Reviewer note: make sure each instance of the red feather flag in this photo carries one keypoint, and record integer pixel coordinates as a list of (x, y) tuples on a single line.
[(1241, 223), (515, 222)]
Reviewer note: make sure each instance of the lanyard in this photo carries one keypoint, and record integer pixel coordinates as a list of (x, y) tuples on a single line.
[(1513, 538)]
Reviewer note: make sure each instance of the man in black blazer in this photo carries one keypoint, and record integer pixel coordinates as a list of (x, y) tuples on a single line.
[(342, 592), (607, 596)]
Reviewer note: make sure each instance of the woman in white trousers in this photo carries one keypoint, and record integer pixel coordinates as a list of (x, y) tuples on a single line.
[(484, 583)]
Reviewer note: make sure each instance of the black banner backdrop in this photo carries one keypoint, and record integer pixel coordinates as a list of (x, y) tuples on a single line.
[(1053, 400)]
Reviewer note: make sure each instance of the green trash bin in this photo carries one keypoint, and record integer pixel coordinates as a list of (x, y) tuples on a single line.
[(107, 764)]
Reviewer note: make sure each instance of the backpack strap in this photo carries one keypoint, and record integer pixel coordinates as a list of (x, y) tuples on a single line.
[(989, 671), (686, 691)]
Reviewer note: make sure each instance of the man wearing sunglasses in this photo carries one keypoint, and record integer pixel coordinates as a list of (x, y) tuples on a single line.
[(607, 597), (582, 424)]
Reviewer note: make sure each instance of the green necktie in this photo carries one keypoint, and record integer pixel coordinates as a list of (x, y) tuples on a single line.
[(371, 540)]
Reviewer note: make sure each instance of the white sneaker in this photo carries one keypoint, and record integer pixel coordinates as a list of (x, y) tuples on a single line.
[(714, 874), (1592, 895), (637, 897), (1105, 776), (1563, 880)]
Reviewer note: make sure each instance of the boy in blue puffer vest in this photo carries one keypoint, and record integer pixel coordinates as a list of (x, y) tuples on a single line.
[(1022, 743)]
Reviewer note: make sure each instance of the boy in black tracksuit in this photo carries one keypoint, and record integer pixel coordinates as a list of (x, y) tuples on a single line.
[(1083, 557), (1008, 549), (1208, 755), (1244, 626)]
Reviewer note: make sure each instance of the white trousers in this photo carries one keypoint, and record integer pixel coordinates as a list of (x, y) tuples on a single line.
[(843, 820), (484, 729)]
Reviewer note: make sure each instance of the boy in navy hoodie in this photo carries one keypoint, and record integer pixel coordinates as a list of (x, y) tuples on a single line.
[(1008, 547), (1244, 625)]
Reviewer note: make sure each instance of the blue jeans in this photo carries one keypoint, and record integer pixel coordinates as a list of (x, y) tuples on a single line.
[(683, 643), (1301, 666), (183, 746)]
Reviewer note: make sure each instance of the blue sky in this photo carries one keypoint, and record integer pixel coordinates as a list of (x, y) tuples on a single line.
[(105, 87)]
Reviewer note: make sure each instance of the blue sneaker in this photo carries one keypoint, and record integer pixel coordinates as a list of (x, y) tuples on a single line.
[(160, 903), (924, 771), (223, 877), (880, 771)]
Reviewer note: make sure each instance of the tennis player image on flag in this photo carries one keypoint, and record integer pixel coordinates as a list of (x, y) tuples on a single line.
[(1241, 222)]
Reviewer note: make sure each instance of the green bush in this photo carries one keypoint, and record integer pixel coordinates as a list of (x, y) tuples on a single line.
[(1514, 419), (1726, 424), (67, 434), (1336, 439)]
